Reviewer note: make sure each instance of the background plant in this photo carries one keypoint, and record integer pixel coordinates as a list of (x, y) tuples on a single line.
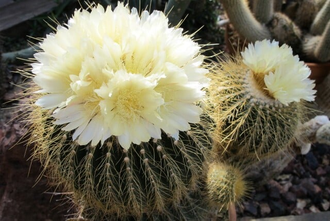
[(301, 24)]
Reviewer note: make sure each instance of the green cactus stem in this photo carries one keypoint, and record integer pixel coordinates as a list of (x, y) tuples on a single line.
[(305, 13), (321, 20), (320, 3), (263, 10), (175, 9), (150, 179), (249, 122), (322, 51), (225, 184), (284, 30), (308, 47), (244, 22)]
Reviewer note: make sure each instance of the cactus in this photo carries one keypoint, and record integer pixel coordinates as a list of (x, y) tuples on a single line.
[(150, 179), (284, 30), (244, 21), (321, 20), (249, 119), (263, 10), (322, 50), (297, 23), (226, 184), (124, 135)]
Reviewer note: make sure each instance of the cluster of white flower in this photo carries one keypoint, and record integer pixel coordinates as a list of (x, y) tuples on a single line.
[(286, 78), (115, 73)]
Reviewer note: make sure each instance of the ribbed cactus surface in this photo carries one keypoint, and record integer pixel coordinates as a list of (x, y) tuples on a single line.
[(249, 122), (153, 179)]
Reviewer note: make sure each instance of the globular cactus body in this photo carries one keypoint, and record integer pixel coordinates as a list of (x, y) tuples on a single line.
[(249, 122), (225, 184), (152, 179), (117, 116)]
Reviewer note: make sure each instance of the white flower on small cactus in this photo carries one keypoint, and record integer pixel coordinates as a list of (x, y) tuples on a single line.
[(285, 77), (115, 73)]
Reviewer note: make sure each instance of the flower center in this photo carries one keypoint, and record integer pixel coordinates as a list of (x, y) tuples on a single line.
[(128, 105), (259, 80)]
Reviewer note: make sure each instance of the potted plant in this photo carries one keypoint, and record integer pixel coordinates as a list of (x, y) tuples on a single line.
[(302, 24)]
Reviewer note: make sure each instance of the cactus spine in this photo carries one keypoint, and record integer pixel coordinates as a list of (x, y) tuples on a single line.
[(322, 51), (151, 179), (305, 13), (284, 30), (102, 143), (321, 20), (263, 10), (225, 184), (249, 122), (244, 21)]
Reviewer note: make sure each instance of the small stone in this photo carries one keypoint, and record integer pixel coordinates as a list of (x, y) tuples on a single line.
[(300, 170), (251, 207), (311, 160), (260, 196), (327, 169), (274, 193), (278, 208), (320, 171), (297, 211), (264, 209), (314, 209), (289, 198), (287, 186), (308, 185), (299, 191), (301, 203), (325, 205)]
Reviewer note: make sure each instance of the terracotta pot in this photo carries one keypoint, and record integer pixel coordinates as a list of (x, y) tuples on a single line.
[(319, 71)]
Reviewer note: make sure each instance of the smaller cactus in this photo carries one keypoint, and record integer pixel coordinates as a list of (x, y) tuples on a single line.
[(226, 184), (251, 116)]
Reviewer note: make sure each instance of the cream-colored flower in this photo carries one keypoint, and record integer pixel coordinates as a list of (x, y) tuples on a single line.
[(285, 77), (115, 73)]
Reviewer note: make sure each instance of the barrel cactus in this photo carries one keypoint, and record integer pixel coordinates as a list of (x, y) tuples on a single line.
[(115, 115), (302, 24), (258, 100)]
